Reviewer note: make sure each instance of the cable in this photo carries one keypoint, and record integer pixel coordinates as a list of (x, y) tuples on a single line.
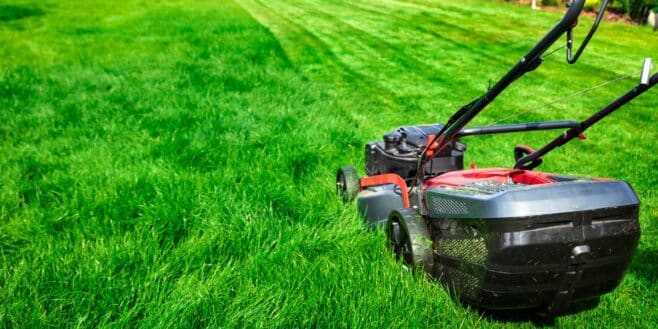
[(559, 100), (554, 51)]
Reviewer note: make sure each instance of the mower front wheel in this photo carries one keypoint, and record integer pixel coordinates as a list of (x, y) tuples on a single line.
[(347, 183), (410, 239)]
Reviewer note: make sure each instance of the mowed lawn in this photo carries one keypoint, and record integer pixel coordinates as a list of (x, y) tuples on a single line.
[(172, 164)]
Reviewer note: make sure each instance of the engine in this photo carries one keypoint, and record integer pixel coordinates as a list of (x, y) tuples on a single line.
[(400, 150)]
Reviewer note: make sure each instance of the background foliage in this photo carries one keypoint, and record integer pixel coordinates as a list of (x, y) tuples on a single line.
[(637, 10)]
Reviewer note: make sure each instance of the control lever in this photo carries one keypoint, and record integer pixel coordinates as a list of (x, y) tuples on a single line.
[(571, 59), (521, 151)]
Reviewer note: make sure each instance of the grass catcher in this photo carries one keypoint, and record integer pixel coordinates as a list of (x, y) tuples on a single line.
[(501, 238)]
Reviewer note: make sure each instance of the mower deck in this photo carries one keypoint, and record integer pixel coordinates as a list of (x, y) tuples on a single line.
[(512, 239)]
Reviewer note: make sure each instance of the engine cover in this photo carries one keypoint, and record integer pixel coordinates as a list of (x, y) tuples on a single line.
[(400, 150)]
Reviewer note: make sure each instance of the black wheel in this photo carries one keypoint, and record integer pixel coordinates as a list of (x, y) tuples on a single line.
[(347, 183), (409, 238)]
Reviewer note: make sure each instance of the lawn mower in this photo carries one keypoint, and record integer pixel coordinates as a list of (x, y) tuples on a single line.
[(502, 238)]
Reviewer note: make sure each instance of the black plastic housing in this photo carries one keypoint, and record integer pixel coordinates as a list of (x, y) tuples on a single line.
[(533, 245)]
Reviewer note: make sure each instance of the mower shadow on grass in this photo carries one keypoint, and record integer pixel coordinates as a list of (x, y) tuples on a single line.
[(534, 316), (645, 265)]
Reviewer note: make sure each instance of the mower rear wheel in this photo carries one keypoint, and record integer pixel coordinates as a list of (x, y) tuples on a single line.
[(347, 183), (410, 239)]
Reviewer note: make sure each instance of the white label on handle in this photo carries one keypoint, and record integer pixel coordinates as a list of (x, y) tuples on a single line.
[(646, 70)]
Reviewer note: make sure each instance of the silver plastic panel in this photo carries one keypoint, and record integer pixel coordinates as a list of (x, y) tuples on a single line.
[(529, 200)]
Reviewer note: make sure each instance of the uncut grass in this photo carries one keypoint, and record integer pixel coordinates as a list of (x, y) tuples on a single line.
[(174, 172), (172, 164)]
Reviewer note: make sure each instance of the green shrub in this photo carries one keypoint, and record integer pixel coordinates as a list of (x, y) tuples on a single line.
[(636, 9), (549, 2), (591, 5)]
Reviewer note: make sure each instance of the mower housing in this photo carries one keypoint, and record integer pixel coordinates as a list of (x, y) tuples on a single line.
[(514, 239)]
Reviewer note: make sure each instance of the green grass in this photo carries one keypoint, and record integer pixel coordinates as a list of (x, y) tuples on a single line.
[(172, 164)]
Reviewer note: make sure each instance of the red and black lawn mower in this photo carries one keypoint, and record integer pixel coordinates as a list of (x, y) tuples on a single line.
[(501, 238)]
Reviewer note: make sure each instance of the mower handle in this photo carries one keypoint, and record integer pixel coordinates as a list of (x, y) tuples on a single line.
[(527, 63), (517, 127), (572, 59), (596, 117)]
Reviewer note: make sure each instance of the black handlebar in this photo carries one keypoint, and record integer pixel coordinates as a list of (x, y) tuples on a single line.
[(517, 127), (527, 63), (576, 131), (592, 30)]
